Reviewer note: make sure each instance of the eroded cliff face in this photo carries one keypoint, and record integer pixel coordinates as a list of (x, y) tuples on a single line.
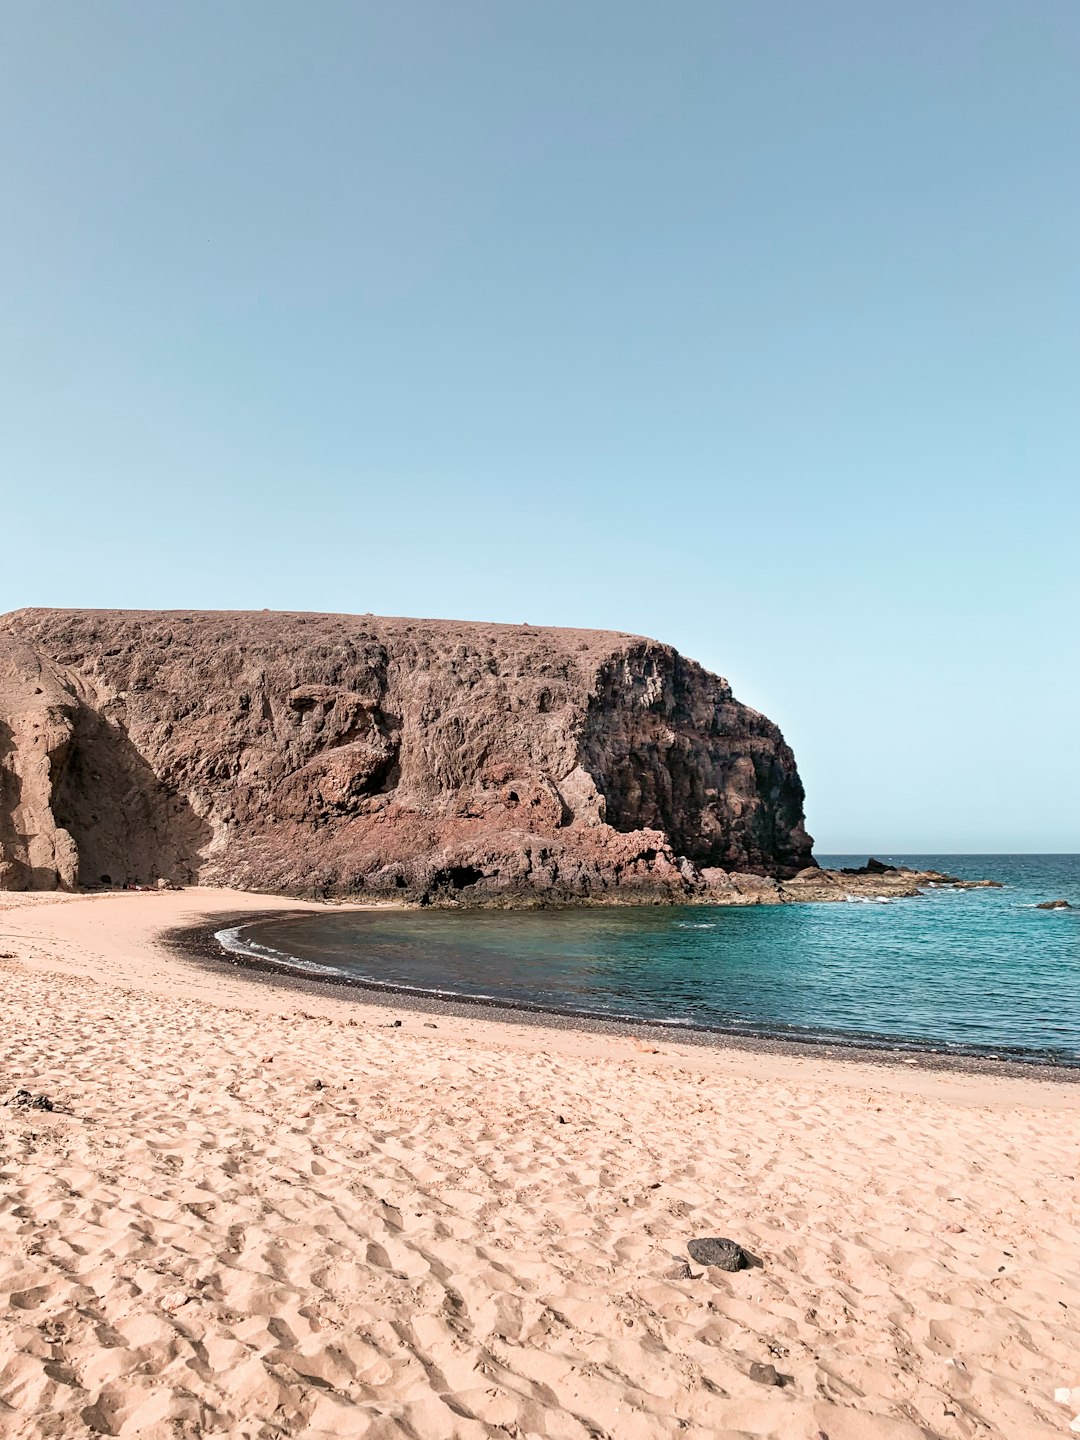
[(37, 712), (672, 750), (420, 759)]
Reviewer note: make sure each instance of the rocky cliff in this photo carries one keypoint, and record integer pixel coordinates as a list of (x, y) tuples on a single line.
[(423, 759)]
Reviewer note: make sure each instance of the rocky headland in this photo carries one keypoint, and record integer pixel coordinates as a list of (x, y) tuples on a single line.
[(425, 760)]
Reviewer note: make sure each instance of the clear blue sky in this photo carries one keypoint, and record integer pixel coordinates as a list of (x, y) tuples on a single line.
[(751, 326)]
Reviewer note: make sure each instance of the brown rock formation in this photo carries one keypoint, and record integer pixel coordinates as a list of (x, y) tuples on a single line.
[(416, 758), (874, 880)]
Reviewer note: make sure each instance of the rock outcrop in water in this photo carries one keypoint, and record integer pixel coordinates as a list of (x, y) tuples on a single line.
[(422, 759), (873, 881)]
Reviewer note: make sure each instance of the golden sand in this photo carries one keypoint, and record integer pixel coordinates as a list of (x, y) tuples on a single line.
[(256, 1213)]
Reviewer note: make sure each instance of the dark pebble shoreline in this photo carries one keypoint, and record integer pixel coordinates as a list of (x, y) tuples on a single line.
[(198, 944)]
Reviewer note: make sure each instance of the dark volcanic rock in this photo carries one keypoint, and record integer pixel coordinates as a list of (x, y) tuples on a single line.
[(434, 760), (878, 867), (23, 1100), (724, 1254), (765, 1374), (1053, 905)]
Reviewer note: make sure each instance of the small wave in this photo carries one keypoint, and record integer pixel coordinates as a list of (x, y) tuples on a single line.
[(232, 941), (367, 982)]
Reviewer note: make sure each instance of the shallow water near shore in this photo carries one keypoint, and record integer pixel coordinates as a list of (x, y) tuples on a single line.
[(978, 972)]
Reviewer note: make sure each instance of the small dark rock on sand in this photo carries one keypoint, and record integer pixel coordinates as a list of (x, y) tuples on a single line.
[(1054, 905), (765, 1374), (23, 1100), (724, 1254)]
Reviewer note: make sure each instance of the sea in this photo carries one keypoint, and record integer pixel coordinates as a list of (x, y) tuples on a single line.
[(971, 972)]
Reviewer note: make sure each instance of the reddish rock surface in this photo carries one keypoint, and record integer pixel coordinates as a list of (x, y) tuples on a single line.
[(424, 759)]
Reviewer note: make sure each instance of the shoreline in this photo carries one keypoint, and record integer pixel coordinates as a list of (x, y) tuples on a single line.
[(198, 943)]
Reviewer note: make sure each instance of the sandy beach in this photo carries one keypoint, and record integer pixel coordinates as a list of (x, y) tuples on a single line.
[(256, 1212)]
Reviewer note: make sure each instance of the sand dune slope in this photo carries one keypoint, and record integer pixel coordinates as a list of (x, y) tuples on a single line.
[(259, 1221)]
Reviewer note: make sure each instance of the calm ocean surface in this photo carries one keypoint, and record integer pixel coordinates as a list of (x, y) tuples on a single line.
[(980, 971)]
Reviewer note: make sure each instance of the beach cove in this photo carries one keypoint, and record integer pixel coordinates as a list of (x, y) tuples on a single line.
[(257, 1209), (957, 969)]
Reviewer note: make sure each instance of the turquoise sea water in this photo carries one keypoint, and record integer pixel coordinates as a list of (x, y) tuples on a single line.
[(979, 971)]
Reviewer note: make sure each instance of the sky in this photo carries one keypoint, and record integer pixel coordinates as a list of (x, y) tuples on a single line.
[(751, 327)]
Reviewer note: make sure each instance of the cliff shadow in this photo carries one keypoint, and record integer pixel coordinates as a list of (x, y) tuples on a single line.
[(15, 869), (129, 828)]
